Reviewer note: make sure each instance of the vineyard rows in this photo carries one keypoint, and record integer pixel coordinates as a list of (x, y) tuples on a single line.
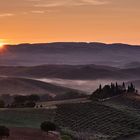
[(94, 117)]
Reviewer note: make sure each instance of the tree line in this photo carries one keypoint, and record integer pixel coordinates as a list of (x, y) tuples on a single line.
[(21, 101), (108, 91)]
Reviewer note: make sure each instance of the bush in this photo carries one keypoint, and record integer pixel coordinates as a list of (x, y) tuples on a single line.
[(66, 137), (30, 104), (48, 126), (4, 132)]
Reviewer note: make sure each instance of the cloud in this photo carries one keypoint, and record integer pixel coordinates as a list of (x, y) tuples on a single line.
[(51, 4), (38, 12), (25, 7), (6, 14), (54, 3), (95, 2), (34, 0)]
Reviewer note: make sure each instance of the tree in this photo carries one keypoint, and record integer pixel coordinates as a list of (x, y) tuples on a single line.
[(48, 126), (30, 104), (4, 132), (33, 98), (20, 99), (131, 88), (2, 104), (100, 87), (124, 87), (25, 100)]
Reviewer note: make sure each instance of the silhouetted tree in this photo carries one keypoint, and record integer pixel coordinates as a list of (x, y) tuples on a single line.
[(2, 104), (131, 88), (124, 87), (20, 99), (4, 132), (48, 126), (111, 90), (33, 98), (25, 101), (30, 104), (100, 87)]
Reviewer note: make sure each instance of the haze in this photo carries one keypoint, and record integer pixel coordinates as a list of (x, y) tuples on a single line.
[(70, 20)]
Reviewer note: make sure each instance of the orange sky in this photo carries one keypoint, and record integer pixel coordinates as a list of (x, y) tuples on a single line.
[(70, 20)]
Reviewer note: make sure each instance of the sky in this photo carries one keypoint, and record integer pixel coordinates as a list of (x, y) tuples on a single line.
[(35, 21)]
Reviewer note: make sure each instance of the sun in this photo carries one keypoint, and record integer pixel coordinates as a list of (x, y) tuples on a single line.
[(2, 44)]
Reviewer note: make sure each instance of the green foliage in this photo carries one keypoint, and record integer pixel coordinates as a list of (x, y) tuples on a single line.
[(131, 88), (27, 117), (33, 98), (2, 104), (25, 101), (66, 137), (48, 126)]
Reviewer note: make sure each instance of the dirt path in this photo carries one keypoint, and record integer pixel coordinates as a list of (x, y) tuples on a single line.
[(30, 134)]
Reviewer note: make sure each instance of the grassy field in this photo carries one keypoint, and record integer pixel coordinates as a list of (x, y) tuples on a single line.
[(30, 118)]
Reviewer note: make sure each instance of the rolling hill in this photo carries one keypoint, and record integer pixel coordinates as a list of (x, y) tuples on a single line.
[(84, 72), (23, 86)]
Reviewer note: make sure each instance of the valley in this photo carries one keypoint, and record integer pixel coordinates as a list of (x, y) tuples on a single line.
[(65, 83)]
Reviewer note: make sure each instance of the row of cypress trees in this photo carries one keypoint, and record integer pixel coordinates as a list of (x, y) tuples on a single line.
[(108, 91)]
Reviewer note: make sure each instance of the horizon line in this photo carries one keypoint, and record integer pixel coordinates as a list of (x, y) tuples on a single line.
[(88, 42)]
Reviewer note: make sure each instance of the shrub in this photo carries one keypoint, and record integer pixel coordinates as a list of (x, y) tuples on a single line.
[(4, 132), (48, 126), (66, 137)]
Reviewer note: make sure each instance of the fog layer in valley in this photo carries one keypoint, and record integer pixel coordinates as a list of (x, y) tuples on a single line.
[(85, 85), (82, 66)]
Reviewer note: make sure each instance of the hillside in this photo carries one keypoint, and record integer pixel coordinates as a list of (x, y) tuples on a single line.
[(135, 64), (84, 72), (96, 121), (13, 86), (125, 102), (105, 120)]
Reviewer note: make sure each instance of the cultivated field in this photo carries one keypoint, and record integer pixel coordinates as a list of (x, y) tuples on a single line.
[(31, 118), (97, 118), (80, 118)]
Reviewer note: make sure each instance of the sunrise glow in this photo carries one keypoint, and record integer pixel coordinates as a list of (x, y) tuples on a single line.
[(2, 44), (106, 21)]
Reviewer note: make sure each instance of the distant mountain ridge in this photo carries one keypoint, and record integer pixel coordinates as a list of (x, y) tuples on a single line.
[(81, 44), (71, 53)]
